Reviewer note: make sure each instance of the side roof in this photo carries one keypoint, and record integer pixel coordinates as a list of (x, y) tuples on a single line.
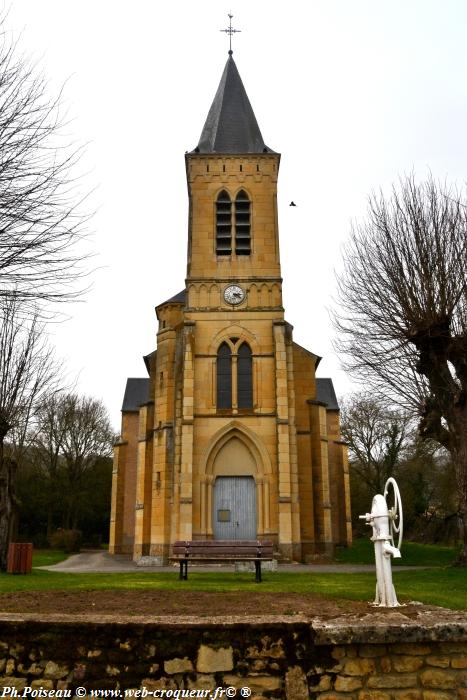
[(136, 394), (179, 298), (325, 393), (148, 359)]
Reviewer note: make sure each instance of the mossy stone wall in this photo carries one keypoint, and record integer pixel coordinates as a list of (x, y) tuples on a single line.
[(295, 659)]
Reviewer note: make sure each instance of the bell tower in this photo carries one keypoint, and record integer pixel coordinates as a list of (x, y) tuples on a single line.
[(242, 344), (233, 244)]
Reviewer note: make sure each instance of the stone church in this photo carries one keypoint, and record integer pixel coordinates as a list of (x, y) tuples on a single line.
[(230, 435)]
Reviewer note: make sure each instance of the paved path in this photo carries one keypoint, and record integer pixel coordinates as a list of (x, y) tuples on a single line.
[(102, 562)]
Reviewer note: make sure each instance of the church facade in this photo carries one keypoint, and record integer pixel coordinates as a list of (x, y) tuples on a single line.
[(230, 435)]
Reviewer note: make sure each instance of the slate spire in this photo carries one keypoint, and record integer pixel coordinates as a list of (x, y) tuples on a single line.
[(231, 125)]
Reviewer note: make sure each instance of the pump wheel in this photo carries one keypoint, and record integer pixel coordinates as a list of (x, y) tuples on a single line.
[(395, 511)]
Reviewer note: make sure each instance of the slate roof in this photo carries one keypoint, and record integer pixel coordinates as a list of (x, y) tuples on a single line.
[(136, 393), (147, 360), (231, 125), (325, 393), (179, 298)]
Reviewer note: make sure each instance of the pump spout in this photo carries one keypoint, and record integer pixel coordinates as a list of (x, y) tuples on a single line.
[(389, 550)]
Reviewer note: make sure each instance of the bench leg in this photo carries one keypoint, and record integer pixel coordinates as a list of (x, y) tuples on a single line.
[(258, 572), (183, 575)]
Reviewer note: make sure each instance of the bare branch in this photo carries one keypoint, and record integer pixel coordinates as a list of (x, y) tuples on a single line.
[(73, 434), (402, 319), (376, 435), (28, 373), (41, 225)]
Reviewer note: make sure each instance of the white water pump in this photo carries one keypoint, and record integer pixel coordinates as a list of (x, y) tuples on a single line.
[(386, 522)]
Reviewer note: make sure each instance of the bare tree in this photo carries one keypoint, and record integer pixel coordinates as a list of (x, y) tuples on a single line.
[(403, 312), (40, 225), (28, 371), (377, 437), (86, 436), (47, 449), (383, 442)]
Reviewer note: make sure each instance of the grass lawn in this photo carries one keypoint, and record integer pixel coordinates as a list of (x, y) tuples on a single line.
[(413, 554), (443, 586), (47, 557)]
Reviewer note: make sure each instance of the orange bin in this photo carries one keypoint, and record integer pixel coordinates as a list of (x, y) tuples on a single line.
[(19, 558)]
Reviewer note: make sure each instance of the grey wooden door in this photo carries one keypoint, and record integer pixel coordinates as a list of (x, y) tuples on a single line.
[(234, 506)]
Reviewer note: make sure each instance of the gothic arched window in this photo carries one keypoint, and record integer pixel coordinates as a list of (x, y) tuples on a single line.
[(234, 375), (242, 224), (224, 377), (244, 377), (223, 224)]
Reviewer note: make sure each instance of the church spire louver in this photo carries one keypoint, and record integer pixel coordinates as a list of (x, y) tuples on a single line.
[(231, 125)]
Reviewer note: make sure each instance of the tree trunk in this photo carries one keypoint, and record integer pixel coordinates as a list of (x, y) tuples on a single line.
[(462, 558), (49, 521), (75, 519), (460, 464), (66, 518), (462, 527), (6, 505)]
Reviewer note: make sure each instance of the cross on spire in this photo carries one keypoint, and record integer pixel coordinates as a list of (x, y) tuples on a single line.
[(230, 30)]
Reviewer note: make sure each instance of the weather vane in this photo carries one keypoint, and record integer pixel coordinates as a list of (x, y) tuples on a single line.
[(230, 30)]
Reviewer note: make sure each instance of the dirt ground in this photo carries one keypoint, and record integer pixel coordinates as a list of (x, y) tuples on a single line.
[(179, 603)]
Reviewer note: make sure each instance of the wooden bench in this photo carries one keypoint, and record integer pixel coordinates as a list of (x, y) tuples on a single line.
[(222, 550)]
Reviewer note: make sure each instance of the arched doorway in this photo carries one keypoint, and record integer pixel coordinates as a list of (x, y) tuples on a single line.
[(235, 451), (234, 513)]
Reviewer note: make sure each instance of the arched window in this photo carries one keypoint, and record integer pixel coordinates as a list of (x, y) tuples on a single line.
[(224, 377), (223, 224), (242, 224), (244, 377), (234, 375)]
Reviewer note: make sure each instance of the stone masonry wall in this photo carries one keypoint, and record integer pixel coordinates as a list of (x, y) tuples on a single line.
[(379, 657)]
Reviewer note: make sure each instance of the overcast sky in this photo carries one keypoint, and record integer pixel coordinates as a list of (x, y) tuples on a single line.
[(352, 93)]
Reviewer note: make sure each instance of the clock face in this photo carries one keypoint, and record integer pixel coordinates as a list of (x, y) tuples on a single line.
[(234, 294)]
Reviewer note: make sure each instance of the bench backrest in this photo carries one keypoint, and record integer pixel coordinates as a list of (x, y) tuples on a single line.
[(224, 548)]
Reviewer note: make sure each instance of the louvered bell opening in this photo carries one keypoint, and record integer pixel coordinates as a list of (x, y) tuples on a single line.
[(242, 224), (244, 377), (223, 224), (224, 377)]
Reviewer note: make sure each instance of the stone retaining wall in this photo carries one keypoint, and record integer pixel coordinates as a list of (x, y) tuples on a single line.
[(378, 657)]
